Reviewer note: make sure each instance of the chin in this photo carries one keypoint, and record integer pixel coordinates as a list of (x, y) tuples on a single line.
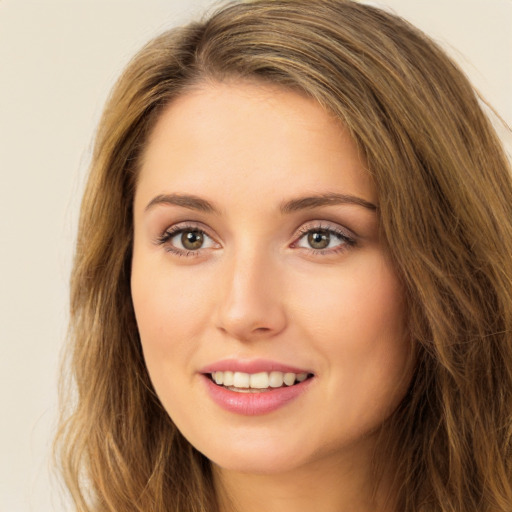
[(258, 463), (266, 456), (260, 455)]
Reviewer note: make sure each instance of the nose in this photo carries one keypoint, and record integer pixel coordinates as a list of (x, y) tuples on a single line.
[(251, 305)]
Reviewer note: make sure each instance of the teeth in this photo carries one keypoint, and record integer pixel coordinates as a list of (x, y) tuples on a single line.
[(258, 380), (228, 378), (275, 379), (240, 380), (289, 379), (262, 380)]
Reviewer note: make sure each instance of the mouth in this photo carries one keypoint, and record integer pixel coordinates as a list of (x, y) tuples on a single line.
[(261, 382)]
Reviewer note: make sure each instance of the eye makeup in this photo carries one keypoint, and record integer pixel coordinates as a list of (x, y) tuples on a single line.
[(316, 237)]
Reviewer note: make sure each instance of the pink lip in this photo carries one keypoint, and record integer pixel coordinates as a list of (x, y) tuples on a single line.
[(252, 404), (252, 366)]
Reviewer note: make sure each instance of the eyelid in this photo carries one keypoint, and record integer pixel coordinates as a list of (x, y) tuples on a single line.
[(180, 227), (346, 236)]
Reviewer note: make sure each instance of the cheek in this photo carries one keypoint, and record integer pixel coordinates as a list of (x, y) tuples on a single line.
[(362, 301), (356, 319), (170, 310)]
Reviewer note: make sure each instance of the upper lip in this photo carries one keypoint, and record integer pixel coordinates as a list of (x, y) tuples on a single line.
[(251, 366)]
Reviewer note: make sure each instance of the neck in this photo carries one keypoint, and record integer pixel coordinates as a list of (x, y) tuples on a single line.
[(333, 484)]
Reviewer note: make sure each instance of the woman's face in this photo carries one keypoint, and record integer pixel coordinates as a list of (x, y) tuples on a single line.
[(257, 262)]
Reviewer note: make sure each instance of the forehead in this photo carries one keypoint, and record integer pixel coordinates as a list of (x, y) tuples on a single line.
[(223, 138)]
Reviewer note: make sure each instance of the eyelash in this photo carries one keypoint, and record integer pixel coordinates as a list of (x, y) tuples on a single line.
[(346, 241), (173, 231)]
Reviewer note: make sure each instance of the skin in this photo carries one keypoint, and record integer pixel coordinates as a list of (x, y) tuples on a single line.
[(257, 289)]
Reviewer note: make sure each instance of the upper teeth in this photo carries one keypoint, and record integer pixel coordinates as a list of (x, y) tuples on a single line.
[(260, 380)]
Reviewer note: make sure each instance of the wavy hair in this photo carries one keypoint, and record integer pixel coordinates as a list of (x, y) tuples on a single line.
[(445, 192)]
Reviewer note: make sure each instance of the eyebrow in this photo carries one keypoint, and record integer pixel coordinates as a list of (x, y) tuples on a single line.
[(302, 203), (184, 200), (310, 202)]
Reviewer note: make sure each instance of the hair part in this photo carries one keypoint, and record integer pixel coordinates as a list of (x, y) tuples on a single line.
[(445, 204)]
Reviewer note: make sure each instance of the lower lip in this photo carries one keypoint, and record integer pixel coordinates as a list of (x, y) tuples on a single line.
[(252, 404)]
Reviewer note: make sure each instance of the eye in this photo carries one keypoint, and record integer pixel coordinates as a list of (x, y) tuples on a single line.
[(189, 240), (323, 239), (186, 240)]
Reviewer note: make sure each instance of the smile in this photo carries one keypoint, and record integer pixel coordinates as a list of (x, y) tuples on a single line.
[(256, 382), (251, 394)]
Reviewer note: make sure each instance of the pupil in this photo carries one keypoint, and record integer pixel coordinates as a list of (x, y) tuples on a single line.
[(192, 240), (319, 239)]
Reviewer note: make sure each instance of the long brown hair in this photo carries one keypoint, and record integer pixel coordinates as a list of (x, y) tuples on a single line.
[(445, 192)]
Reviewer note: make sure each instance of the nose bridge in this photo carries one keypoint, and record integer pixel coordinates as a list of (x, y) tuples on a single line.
[(251, 305)]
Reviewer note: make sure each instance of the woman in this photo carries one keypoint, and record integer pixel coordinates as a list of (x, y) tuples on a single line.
[(293, 277)]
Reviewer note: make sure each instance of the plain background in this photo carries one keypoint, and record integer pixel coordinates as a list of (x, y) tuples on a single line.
[(58, 60)]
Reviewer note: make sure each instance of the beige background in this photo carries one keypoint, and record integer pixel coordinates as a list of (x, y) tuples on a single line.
[(58, 60)]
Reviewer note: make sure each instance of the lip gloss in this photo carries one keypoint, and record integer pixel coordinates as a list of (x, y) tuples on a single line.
[(254, 402)]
